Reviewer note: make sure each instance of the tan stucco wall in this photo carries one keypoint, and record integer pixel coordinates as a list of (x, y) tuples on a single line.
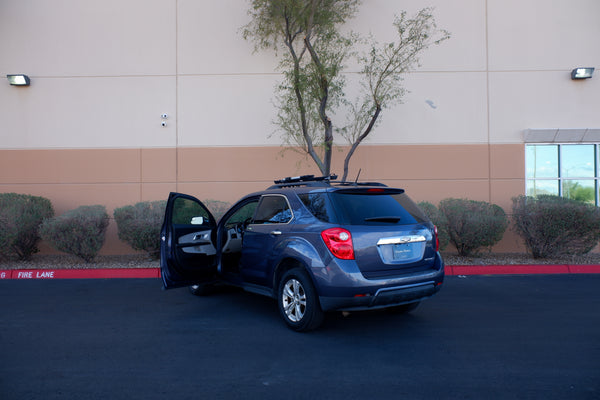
[(118, 177)]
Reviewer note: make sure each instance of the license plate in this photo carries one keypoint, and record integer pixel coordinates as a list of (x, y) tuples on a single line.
[(403, 251)]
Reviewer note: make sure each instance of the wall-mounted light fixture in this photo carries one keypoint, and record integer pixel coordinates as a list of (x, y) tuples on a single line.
[(582, 73), (18, 80)]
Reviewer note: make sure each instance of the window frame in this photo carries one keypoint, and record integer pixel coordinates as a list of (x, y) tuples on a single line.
[(560, 179)]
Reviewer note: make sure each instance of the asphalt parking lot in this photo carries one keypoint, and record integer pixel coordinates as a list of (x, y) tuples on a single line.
[(492, 337)]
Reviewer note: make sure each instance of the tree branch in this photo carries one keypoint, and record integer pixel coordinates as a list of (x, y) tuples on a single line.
[(299, 97), (359, 140), (323, 99)]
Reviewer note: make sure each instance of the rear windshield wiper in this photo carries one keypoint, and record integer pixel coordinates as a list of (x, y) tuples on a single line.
[(390, 219)]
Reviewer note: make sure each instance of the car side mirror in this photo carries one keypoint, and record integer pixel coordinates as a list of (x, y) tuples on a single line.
[(197, 220)]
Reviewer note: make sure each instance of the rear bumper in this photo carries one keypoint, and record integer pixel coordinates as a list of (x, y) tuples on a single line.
[(351, 291), (386, 297)]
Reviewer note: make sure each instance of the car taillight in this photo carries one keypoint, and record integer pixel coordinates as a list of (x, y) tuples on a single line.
[(437, 238), (339, 242)]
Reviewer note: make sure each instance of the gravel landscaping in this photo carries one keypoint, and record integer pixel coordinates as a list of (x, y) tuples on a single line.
[(53, 261), (520, 259)]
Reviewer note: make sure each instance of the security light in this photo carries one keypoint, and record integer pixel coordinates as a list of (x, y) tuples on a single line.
[(18, 80), (582, 73)]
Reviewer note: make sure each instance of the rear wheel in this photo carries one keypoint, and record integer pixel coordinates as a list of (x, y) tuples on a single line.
[(298, 301)]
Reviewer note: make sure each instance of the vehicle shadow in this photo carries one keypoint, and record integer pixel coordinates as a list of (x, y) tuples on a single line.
[(238, 307)]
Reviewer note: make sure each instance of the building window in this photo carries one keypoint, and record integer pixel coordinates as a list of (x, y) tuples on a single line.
[(567, 170)]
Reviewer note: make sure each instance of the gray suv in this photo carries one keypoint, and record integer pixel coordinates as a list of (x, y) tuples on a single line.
[(313, 244)]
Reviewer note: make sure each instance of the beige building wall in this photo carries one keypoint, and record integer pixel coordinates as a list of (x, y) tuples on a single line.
[(88, 129)]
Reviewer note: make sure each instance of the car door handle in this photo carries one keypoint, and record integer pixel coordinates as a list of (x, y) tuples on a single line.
[(275, 233)]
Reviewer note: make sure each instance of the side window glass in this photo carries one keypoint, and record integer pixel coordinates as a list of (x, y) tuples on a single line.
[(318, 206), (273, 210), (189, 212), (244, 214)]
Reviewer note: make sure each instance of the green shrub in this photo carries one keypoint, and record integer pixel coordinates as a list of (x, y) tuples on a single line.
[(139, 225), (553, 226), (20, 217), (7, 235), (79, 232), (438, 220), (217, 207), (473, 224)]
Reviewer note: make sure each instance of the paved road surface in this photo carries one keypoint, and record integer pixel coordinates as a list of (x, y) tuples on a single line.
[(481, 337)]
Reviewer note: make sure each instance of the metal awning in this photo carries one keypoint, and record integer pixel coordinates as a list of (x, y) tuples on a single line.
[(586, 135)]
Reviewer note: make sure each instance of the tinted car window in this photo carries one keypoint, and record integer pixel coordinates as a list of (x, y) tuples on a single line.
[(376, 208), (184, 210), (242, 215), (318, 205), (273, 210)]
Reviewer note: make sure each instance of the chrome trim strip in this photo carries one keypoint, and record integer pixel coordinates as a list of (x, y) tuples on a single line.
[(414, 285), (402, 239)]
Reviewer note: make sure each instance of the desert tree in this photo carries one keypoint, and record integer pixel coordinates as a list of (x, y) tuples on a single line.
[(313, 48)]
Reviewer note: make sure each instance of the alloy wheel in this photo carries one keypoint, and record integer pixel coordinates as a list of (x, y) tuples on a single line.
[(294, 300)]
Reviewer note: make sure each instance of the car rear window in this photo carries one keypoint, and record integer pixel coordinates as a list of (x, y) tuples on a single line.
[(376, 207)]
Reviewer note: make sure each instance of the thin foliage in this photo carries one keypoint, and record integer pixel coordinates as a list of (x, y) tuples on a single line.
[(313, 52)]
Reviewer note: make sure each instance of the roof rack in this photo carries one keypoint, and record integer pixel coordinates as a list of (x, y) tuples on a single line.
[(318, 181), (304, 180)]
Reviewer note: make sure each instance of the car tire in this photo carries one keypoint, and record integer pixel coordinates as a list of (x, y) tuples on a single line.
[(403, 308), (298, 301)]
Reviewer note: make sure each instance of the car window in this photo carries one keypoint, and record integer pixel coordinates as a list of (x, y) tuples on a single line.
[(273, 210), (244, 214), (187, 212), (318, 205), (377, 208)]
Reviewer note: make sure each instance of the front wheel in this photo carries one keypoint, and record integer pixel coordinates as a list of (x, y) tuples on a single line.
[(298, 301)]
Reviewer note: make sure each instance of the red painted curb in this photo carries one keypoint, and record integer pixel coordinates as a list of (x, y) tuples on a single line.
[(584, 269), (98, 273), (105, 273), (525, 269)]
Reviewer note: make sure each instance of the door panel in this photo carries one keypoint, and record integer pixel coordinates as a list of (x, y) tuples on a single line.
[(266, 230), (259, 241), (187, 253), (232, 233)]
